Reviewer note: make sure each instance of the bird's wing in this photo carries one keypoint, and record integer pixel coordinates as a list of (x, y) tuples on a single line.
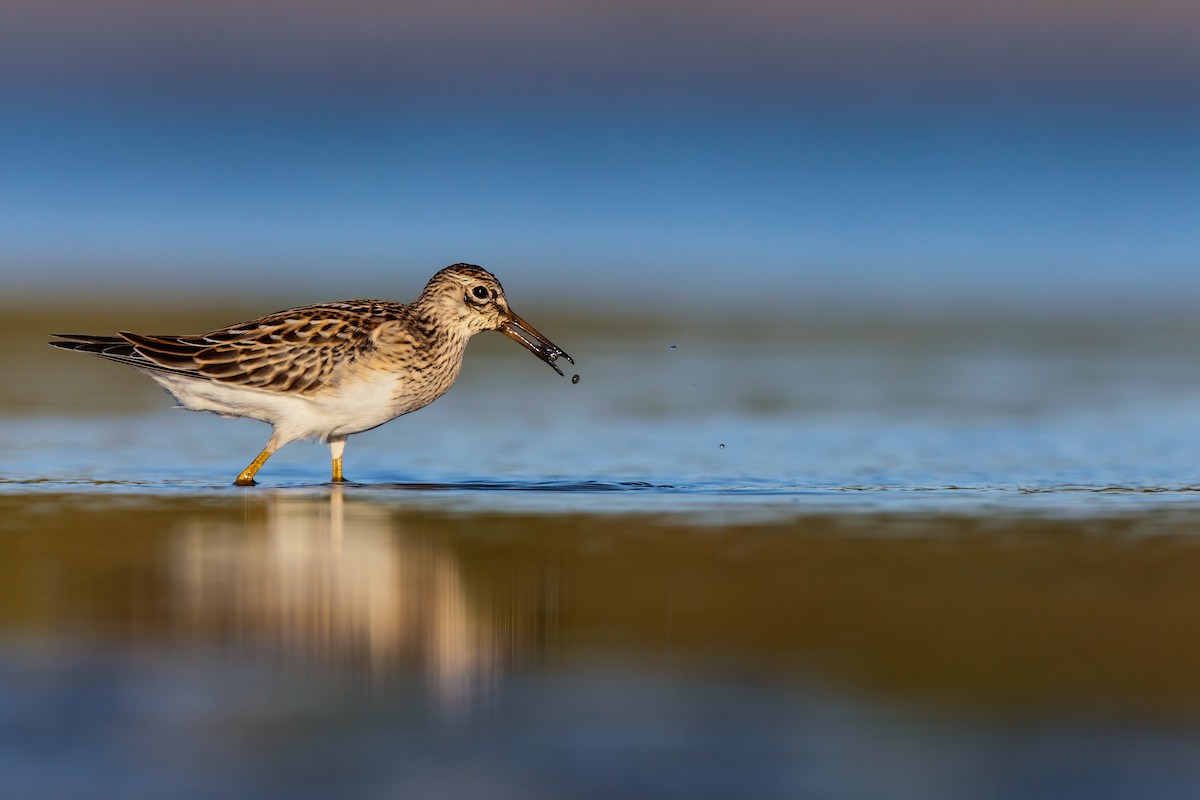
[(299, 350)]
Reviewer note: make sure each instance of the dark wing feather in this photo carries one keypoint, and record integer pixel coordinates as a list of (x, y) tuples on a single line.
[(114, 348), (298, 350)]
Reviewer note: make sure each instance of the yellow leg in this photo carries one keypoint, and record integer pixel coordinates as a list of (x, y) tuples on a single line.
[(247, 476), (337, 447)]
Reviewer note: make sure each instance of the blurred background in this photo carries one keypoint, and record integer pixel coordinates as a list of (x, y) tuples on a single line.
[(884, 452), (767, 153)]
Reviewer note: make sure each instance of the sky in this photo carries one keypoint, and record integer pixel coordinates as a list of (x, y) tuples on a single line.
[(631, 150)]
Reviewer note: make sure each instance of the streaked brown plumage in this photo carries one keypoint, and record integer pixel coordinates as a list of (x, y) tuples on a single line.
[(330, 370)]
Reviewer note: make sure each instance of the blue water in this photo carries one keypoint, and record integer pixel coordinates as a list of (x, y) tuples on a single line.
[(1021, 412), (634, 200), (733, 559)]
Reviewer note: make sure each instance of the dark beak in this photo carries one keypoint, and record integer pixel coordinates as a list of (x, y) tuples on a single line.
[(520, 330)]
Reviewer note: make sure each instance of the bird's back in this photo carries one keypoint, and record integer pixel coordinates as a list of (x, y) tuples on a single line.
[(298, 350)]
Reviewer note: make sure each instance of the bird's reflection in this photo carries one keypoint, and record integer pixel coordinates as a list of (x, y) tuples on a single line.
[(354, 586)]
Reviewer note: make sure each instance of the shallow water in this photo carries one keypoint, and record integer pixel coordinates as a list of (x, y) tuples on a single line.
[(924, 556)]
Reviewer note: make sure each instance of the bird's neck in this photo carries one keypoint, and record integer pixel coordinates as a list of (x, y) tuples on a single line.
[(438, 347)]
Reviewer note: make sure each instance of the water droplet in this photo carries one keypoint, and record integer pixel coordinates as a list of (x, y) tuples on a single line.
[(722, 445), (575, 378), (674, 347)]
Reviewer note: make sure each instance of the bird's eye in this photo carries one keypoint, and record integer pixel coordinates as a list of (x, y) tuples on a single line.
[(481, 292)]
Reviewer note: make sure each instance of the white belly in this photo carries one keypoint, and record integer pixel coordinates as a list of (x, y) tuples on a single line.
[(360, 407)]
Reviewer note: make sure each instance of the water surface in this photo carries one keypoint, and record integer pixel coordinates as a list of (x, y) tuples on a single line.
[(830, 557)]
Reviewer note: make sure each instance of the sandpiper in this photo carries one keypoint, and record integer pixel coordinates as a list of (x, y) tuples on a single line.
[(327, 371)]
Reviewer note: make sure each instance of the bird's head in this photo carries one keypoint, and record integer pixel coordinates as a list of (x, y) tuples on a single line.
[(470, 297)]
